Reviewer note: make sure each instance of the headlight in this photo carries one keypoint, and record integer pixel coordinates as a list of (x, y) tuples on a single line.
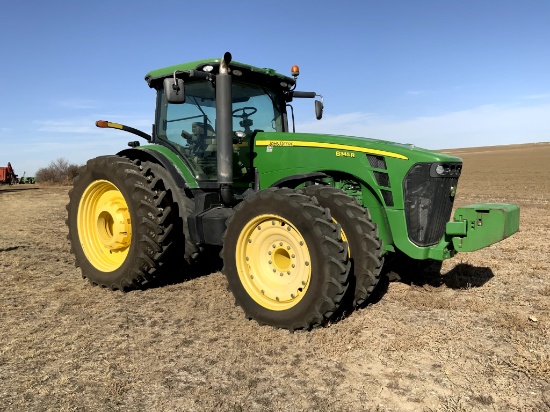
[(445, 169)]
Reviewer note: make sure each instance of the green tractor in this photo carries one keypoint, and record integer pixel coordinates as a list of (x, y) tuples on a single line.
[(305, 221), (29, 180)]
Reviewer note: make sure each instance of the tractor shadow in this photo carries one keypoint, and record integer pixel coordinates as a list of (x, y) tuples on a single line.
[(19, 189), (208, 262), (414, 273)]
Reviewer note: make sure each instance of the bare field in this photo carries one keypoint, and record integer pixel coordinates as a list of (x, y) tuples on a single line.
[(473, 338)]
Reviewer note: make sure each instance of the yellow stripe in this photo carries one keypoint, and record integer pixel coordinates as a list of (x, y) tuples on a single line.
[(114, 125), (297, 143)]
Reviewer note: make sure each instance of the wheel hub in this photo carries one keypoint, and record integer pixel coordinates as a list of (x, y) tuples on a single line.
[(104, 225), (273, 262), (113, 224)]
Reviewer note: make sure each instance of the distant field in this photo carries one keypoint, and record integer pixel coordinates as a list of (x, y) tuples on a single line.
[(474, 338)]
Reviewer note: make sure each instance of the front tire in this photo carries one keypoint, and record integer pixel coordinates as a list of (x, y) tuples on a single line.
[(365, 248), (284, 260), (121, 220)]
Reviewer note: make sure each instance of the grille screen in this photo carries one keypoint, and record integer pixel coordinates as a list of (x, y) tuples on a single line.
[(377, 162), (382, 178), (388, 197), (428, 204)]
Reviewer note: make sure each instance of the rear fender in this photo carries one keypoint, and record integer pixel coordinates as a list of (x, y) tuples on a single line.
[(179, 184), (183, 178)]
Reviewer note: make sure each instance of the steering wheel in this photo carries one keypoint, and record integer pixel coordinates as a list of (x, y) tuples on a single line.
[(244, 114)]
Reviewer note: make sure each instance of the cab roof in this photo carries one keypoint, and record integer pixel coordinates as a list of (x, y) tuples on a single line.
[(249, 73)]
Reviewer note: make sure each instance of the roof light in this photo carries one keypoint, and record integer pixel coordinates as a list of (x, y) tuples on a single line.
[(208, 68), (295, 71), (237, 73)]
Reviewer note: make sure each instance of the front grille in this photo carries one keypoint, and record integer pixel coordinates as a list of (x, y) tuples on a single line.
[(428, 204)]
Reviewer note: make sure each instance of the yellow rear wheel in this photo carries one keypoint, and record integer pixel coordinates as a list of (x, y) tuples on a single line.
[(124, 223), (104, 225)]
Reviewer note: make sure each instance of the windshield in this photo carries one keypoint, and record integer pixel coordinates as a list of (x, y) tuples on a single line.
[(191, 126)]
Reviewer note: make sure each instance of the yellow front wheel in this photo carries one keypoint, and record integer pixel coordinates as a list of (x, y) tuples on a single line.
[(284, 260), (361, 233), (273, 262)]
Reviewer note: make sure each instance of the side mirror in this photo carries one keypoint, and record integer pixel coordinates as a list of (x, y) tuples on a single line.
[(174, 90), (318, 109)]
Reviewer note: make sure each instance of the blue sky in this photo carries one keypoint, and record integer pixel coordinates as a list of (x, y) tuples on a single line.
[(438, 74)]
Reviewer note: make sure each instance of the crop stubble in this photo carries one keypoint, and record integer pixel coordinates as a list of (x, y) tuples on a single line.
[(473, 338)]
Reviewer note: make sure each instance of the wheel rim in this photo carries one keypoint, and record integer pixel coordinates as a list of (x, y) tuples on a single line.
[(344, 237), (273, 262), (104, 225)]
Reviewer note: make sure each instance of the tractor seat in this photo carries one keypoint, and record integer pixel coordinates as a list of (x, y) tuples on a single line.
[(207, 136)]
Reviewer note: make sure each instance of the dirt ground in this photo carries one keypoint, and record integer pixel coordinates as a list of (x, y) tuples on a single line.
[(474, 338)]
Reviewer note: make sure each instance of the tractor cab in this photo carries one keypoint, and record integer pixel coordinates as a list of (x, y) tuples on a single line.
[(187, 121), (190, 127)]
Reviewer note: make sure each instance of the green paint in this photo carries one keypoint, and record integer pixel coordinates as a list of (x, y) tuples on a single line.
[(277, 155), (486, 223), (177, 161), (199, 64)]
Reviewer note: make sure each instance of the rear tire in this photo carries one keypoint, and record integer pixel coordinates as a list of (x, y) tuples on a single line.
[(284, 260), (122, 222), (365, 248)]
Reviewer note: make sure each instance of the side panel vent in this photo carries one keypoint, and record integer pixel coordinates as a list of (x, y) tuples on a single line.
[(378, 162), (383, 179), (388, 197)]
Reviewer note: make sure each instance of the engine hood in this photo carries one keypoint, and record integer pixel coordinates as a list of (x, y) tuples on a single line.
[(354, 143)]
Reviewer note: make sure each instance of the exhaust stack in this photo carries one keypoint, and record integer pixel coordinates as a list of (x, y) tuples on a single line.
[(224, 129)]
